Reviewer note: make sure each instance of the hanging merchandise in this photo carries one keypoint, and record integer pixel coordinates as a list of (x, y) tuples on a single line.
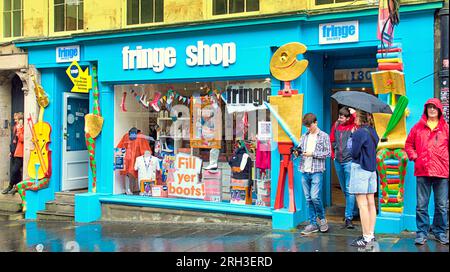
[(93, 127), (141, 99), (122, 103), (262, 155), (170, 99), (154, 102)]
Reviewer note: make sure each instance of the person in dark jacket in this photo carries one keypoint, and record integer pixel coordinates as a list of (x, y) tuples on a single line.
[(342, 157), (16, 154), (428, 146), (363, 175)]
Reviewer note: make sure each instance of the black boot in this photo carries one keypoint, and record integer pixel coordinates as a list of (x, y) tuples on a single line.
[(13, 190), (7, 190)]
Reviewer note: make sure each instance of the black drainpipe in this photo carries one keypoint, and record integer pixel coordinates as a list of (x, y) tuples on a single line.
[(443, 66)]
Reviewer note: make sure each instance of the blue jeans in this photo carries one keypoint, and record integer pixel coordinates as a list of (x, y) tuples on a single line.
[(440, 189), (312, 188), (343, 173)]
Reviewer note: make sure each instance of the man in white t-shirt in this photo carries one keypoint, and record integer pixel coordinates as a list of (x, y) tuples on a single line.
[(315, 147)]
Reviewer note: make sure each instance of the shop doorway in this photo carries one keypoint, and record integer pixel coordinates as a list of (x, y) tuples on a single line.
[(337, 196), (345, 70), (75, 157), (17, 105)]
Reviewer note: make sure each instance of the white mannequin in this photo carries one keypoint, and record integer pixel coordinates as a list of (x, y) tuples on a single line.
[(147, 167)]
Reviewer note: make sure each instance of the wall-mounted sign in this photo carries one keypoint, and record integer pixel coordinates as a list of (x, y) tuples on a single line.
[(158, 59), (358, 75), (246, 97), (68, 53), (341, 32), (81, 80)]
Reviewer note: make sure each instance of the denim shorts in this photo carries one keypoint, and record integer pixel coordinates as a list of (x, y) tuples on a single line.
[(362, 181)]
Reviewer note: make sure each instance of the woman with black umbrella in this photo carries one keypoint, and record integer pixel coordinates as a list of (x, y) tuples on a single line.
[(363, 176)]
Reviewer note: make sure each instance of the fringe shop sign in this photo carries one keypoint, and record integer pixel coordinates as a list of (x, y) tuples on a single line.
[(157, 59), (186, 177)]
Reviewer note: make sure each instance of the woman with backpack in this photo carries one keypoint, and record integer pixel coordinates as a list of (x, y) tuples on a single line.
[(363, 176)]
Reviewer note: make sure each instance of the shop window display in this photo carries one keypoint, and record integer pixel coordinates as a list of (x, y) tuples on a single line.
[(183, 141)]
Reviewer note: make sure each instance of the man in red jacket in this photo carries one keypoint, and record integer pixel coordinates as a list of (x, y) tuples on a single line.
[(428, 146), (341, 131)]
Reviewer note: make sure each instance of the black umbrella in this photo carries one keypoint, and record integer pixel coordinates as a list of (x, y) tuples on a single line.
[(362, 101)]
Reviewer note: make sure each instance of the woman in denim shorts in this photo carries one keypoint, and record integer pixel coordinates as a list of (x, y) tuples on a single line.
[(363, 177)]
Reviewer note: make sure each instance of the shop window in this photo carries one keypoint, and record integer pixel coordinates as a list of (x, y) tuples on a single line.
[(221, 7), (144, 11), (68, 15), (12, 18), (193, 131)]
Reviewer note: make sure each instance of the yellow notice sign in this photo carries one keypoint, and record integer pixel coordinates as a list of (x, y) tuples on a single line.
[(81, 80)]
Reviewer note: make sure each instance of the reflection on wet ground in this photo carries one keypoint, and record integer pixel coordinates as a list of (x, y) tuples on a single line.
[(32, 236)]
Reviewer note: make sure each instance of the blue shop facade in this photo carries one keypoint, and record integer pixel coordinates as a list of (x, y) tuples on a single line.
[(226, 53)]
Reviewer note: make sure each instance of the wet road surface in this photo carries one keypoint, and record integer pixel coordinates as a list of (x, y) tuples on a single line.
[(48, 236)]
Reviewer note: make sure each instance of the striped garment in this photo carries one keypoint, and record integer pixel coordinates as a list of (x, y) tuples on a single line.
[(321, 152)]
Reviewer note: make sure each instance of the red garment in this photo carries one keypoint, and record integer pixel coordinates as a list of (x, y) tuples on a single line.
[(134, 149), (344, 130), (19, 144), (429, 149), (262, 155)]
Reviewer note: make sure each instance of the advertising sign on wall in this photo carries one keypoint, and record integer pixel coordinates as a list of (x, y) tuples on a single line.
[(186, 177), (248, 96), (341, 32), (68, 53)]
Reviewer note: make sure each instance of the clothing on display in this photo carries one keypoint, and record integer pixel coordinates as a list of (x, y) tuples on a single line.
[(146, 165), (240, 164), (262, 155), (135, 144)]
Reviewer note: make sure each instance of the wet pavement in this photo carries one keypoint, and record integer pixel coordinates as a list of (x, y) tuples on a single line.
[(48, 236)]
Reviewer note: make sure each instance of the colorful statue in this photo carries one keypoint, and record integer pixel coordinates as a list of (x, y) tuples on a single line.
[(391, 128), (93, 127), (40, 163), (287, 107)]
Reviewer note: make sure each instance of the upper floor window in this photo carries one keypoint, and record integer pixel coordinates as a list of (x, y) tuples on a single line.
[(144, 11), (327, 2), (234, 6), (68, 15), (12, 18)]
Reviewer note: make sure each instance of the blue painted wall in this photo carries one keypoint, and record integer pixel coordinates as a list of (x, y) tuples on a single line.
[(254, 45)]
